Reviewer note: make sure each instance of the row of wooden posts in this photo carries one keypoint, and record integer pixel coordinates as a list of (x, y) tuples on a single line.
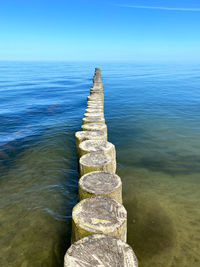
[(99, 220)]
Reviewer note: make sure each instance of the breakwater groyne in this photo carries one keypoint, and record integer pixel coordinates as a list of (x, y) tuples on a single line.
[(99, 220)]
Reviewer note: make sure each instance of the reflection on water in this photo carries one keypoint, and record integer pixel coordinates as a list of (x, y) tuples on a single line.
[(152, 112)]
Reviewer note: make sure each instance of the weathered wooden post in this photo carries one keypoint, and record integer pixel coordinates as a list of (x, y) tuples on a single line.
[(99, 220), (100, 251), (96, 161), (97, 145), (93, 119), (94, 127), (100, 183), (88, 135), (99, 215)]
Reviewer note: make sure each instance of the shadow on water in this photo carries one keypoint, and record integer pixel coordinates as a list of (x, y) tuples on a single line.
[(163, 216), (37, 193), (10, 151), (174, 165), (169, 163), (150, 230)]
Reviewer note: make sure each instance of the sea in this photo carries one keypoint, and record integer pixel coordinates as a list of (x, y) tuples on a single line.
[(152, 110)]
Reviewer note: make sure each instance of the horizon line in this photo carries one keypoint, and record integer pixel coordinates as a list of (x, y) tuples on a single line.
[(161, 8)]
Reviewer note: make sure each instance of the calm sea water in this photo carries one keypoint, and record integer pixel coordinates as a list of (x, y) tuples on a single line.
[(153, 117)]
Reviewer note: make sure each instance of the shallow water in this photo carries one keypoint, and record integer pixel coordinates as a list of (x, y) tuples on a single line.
[(152, 112)]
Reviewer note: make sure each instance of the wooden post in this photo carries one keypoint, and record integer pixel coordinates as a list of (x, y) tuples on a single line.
[(100, 183), (99, 215), (100, 250)]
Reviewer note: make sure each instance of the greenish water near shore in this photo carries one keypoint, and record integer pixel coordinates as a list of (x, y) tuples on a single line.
[(37, 193), (163, 227), (152, 113)]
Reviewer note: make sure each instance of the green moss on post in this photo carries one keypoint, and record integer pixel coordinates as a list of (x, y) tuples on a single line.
[(95, 105), (96, 90), (99, 101), (93, 119), (95, 97), (94, 94), (100, 184), (94, 110), (96, 161), (97, 86), (95, 127), (88, 135), (99, 220), (104, 147), (99, 215), (94, 114)]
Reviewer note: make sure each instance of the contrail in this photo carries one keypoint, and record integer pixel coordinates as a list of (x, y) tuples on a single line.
[(163, 8)]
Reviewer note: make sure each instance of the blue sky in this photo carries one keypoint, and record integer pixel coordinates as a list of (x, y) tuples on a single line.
[(103, 30)]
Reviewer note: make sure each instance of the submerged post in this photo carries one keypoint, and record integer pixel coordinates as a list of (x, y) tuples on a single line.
[(99, 220)]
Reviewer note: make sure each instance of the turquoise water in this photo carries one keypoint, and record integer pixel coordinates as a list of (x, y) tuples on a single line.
[(153, 117)]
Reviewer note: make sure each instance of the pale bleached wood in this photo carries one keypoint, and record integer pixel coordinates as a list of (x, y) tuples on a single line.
[(100, 251), (99, 215)]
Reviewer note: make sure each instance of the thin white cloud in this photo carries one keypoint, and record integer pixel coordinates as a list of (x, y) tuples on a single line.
[(163, 8)]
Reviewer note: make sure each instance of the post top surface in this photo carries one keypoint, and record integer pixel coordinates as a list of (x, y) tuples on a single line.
[(95, 159), (96, 145), (99, 214), (100, 250), (100, 182), (99, 126), (88, 134)]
